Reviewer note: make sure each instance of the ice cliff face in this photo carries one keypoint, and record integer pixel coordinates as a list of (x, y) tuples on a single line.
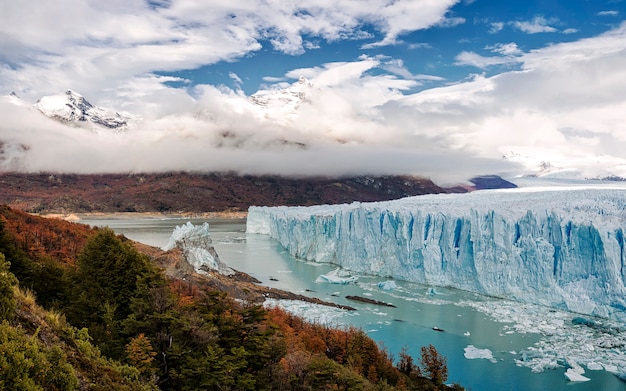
[(564, 249), (72, 107)]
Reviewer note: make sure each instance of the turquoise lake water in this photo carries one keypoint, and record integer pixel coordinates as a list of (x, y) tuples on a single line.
[(498, 325)]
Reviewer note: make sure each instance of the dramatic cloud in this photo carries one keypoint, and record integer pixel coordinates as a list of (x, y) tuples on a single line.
[(561, 103), (96, 46)]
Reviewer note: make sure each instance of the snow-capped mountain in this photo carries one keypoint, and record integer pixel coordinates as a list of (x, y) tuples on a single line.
[(284, 102), (13, 99), (72, 108)]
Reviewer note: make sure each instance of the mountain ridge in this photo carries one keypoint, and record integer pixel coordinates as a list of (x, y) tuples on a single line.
[(71, 107), (184, 192)]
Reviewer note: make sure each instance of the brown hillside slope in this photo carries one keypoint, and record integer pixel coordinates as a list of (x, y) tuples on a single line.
[(194, 192), (45, 237)]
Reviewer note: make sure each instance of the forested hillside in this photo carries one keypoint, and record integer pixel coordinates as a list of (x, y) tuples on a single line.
[(82, 308), (193, 192)]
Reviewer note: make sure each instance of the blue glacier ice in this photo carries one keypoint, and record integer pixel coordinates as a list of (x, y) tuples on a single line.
[(562, 248)]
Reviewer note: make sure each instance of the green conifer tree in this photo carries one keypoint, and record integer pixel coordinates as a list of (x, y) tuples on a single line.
[(7, 283)]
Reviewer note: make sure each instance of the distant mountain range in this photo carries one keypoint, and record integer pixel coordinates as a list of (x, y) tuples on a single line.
[(194, 192), (282, 105), (73, 109)]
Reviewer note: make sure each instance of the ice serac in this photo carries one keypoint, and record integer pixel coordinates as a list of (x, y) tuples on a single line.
[(197, 247), (562, 248)]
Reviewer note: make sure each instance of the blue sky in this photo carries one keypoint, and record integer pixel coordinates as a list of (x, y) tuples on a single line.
[(479, 27), (442, 88)]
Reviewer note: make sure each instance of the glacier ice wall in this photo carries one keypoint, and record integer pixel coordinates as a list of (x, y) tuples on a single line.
[(562, 248)]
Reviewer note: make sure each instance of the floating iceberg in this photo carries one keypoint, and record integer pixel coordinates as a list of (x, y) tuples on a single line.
[(575, 372), (565, 337), (562, 248), (197, 247), (472, 352), (388, 285), (334, 277)]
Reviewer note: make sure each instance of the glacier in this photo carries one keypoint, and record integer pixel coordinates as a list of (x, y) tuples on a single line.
[(563, 248)]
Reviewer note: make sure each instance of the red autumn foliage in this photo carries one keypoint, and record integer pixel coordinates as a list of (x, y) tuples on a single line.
[(45, 237)]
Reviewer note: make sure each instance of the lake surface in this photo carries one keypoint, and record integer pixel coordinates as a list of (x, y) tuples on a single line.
[(510, 331)]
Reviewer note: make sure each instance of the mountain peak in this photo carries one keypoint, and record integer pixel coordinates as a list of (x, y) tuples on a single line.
[(13, 98), (284, 102), (72, 107)]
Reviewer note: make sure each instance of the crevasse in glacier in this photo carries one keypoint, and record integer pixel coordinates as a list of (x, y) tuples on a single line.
[(561, 248)]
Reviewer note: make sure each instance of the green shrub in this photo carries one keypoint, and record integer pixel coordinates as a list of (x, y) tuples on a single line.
[(7, 282), (25, 364)]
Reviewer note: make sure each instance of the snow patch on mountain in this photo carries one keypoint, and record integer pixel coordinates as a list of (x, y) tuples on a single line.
[(13, 99), (73, 108), (283, 103)]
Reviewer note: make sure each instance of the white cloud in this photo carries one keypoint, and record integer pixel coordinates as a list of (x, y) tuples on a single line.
[(235, 78), (419, 45), (608, 13), (273, 79), (92, 45), (506, 49), (508, 53), (451, 22), (538, 24), (496, 27), (557, 88), (565, 102)]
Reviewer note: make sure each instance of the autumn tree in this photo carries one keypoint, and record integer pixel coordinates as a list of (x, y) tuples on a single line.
[(141, 355), (406, 365), (433, 364)]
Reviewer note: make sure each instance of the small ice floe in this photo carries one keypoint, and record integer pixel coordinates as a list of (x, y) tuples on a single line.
[(472, 352), (388, 285), (594, 366), (467, 334), (575, 372), (334, 277)]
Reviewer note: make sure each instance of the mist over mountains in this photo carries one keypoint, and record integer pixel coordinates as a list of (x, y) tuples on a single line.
[(290, 130), (270, 133)]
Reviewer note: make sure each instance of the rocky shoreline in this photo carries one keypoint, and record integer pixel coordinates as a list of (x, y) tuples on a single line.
[(240, 286)]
